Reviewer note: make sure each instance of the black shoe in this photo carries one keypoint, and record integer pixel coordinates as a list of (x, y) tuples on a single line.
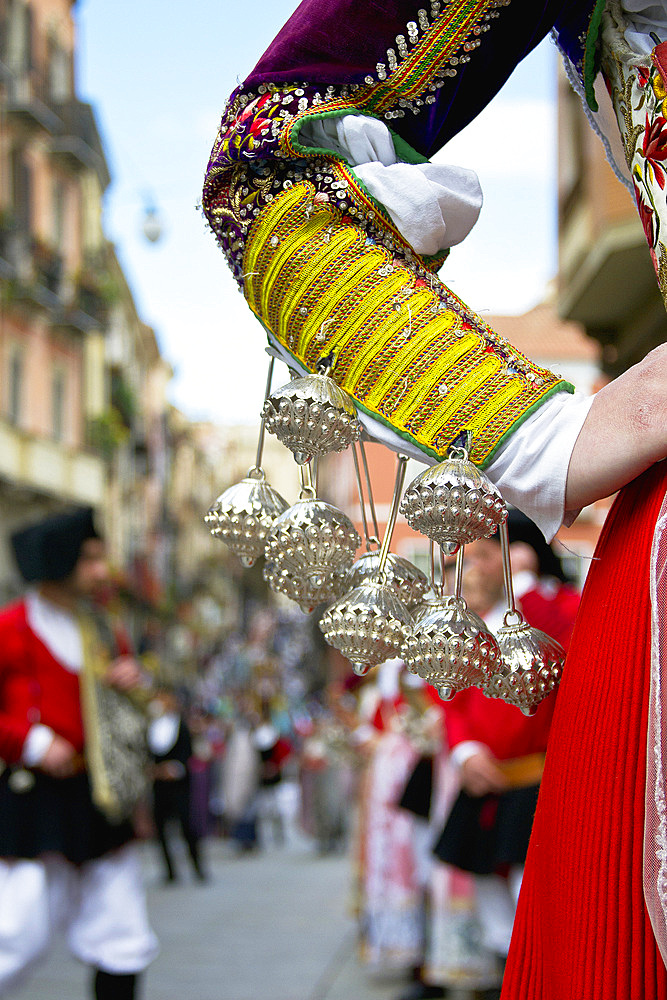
[(422, 991), (107, 986)]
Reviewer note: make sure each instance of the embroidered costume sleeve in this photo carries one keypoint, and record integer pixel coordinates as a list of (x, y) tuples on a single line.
[(319, 259)]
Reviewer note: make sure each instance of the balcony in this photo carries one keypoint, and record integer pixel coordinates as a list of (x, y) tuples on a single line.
[(77, 144), (28, 102), (33, 270), (608, 285), (50, 468)]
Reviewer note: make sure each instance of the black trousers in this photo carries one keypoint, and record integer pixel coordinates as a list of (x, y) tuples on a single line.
[(171, 802)]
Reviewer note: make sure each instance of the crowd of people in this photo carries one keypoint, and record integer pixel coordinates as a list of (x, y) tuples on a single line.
[(276, 743)]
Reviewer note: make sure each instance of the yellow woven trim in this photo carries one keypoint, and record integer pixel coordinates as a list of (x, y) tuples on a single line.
[(455, 398), (407, 355), (286, 250), (428, 372), (375, 300), (496, 404), (392, 325), (265, 224), (434, 376), (315, 263), (326, 305)]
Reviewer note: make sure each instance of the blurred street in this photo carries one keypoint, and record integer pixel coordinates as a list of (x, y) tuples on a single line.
[(268, 926)]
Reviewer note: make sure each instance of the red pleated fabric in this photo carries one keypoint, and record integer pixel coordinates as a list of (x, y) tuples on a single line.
[(582, 931)]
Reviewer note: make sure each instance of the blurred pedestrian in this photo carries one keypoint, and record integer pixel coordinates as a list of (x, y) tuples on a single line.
[(67, 792), (239, 784), (171, 745), (274, 751), (389, 879), (499, 751), (325, 784)]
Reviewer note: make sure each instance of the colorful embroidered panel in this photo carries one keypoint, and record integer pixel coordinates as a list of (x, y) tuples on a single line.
[(323, 266), (639, 94), (411, 358)]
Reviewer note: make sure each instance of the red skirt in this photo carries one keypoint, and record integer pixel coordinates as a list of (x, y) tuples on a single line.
[(582, 931)]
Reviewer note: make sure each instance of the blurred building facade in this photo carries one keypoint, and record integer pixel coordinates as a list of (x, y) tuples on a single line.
[(53, 283), (606, 280), (84, 411)]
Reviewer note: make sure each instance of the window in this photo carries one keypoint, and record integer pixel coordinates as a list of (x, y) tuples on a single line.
[(21, 189), (15, 389), (58, 386), (60, 73), (58, 213), (18, 48)]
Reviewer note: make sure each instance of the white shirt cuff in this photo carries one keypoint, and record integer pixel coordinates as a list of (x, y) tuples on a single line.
[(463, 751), (530, 470), (36, 744)]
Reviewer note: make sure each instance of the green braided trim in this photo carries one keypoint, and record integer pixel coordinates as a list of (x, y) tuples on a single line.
[(592, 54)]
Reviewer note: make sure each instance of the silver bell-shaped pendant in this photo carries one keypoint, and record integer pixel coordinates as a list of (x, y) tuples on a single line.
[(407, 582), (450, 647), (311, 416), (243, 515), (453, 503), (367, 625), (309, 551), (530, 667)]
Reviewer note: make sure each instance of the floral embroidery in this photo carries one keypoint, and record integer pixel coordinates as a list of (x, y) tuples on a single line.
[(654, 147), (658, 87), (646, 215), (639, 96), (247, 132)]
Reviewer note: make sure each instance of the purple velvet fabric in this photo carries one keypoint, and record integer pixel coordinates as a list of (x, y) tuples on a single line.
[(341, 41)]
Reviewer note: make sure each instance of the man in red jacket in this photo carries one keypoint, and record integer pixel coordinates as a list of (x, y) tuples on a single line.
[(62, 861), (500, 752)]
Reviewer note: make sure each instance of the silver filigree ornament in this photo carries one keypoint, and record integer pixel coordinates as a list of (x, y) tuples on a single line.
[(311, 416), (453, 503), (243, 515), (407, 582), (532, 662), (530, 667), (450, 647), (309, 551), (367, 625)]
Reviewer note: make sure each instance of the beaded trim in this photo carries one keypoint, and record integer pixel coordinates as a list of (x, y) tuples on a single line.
[(406, 349), (443, 47)]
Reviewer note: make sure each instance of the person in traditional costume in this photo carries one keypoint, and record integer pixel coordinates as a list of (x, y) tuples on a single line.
[(334, 223), (389, 858), (67, 790), (499, 751)]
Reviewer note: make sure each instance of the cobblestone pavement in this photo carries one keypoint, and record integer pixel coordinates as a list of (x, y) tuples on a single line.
[(268, 926)]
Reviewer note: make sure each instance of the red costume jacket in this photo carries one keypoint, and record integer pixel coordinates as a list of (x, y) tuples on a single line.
[(34, 687), (504, 729)]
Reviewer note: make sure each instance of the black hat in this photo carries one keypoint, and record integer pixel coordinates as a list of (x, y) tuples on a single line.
[(50, 549)]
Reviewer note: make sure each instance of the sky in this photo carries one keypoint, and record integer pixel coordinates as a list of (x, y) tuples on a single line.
[(158, 75)]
